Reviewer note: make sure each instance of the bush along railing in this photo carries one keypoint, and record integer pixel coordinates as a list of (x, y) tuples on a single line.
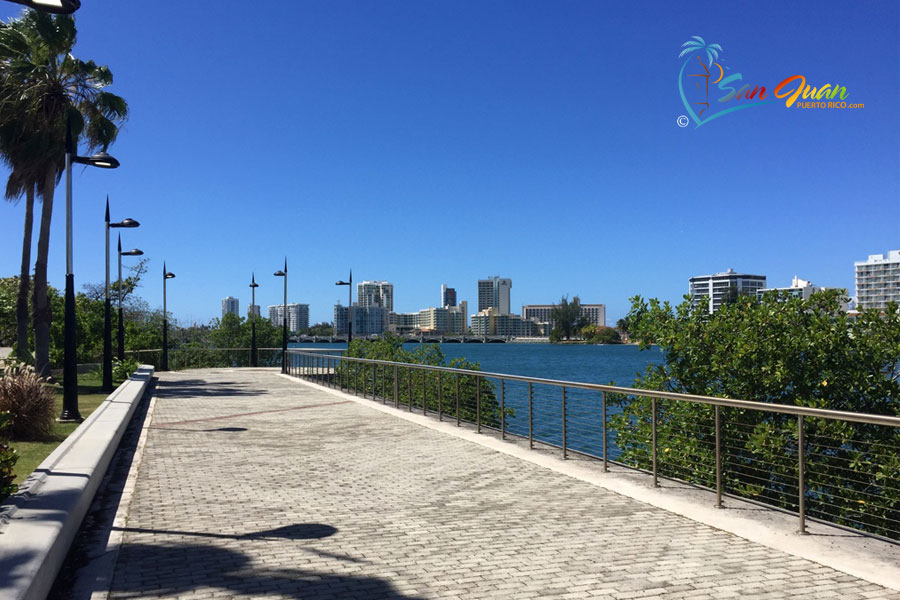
[(834, 466), (206, 358)]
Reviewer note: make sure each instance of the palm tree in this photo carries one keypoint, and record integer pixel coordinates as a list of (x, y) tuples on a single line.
[(45, 89), (697, 44)]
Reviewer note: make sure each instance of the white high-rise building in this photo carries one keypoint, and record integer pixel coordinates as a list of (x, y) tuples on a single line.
[(231, 305), (712, 290), (297, 316), (375, 293), (878, 280), (494, 292), (542, 313)]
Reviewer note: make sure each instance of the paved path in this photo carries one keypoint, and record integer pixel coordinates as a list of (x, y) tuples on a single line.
[(252, 485)]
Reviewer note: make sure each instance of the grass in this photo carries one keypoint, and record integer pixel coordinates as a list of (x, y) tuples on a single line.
[(31, 454)]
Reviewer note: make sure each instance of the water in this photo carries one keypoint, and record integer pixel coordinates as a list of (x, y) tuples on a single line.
[(617, 364)]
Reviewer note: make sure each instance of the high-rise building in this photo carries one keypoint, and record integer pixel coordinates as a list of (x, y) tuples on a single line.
[(799, 288), (367, 320), (297, 316), (451, 320), (375, 293), (712, 290), (448, 296), (543, 314), (494, 292), (878, 280), (253, 310), (231, 305), (491, 321)]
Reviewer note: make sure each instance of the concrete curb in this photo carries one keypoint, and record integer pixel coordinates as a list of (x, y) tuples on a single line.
[(41, 520), (864, 557)]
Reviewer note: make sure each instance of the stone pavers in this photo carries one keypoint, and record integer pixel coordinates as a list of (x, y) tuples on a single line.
[(255, 486)]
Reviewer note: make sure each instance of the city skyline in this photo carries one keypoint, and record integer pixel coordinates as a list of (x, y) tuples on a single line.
[(523, 140)]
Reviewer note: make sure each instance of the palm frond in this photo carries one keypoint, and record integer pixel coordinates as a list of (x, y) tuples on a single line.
[(699, 39), (687, 51)]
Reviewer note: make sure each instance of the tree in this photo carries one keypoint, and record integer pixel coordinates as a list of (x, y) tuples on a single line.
[(45, 92), (600, 334), (566, 317), (778, 350), (322, 329)]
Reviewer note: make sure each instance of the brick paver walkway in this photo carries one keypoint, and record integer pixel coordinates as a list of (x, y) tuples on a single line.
[(255, 486)]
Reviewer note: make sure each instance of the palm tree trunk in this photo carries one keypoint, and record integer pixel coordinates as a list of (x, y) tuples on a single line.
[(25, 280), (41, 301)]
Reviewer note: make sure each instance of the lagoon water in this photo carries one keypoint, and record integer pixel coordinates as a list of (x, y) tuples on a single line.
[(592, 364)]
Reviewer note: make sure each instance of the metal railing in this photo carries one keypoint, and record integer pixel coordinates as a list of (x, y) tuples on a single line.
[(200, 357), (833, 466)]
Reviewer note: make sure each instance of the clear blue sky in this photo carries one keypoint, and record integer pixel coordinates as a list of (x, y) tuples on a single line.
[(442, 142)]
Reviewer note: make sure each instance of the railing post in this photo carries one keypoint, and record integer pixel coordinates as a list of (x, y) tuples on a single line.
[(409, 396), (457, 399), (374, 382), (355, 378), (424, 401), (440, 395), (653, 427), (801, 474), (478, 402), (502, 409), (605, 447), (396, 388), (718, 456), (565, 450), (530, 417)]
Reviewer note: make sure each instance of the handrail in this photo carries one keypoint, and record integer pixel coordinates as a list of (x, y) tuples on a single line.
[(823, 413)]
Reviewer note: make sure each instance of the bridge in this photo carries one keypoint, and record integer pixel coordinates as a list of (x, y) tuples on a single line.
[(411, 339)]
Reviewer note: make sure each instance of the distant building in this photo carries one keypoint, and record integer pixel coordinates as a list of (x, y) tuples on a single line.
[(542, 313), (711, 290), (492, 322), (231, 305), (494, 292), (450, 320), (367, 320), (253, 310), (799, 288), (297, 316), (448, 296), (878, 280), (375, 293)]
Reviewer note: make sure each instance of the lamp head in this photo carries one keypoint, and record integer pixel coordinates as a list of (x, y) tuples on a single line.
[(342, 283), (280, 274), (127, 223), (132, 252), (59, 7), (170, 275)]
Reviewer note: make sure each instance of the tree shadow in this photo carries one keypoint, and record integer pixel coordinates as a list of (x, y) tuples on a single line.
[(186, 388), (174, 569)]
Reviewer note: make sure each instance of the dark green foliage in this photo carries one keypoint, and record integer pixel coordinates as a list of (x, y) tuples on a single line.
[(600, 335), (415, 386), (123, 369), (567, 319), (9, 287), (775, 350), (321, 330), (8, 459)]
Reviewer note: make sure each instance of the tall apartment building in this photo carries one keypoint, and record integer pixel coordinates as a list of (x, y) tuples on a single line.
[(542, 313), (494, 292), (799, 288), (448, 296), (297, 316), (375, 293), (253, 310), (711, 290), (231, 305), (878, 280), (367, 320)]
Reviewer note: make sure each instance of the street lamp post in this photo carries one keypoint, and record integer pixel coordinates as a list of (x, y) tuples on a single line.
[(349, 285), (164, 363), (284, 334), (254, 359), (107, 319), (103, 160), (133, 252)]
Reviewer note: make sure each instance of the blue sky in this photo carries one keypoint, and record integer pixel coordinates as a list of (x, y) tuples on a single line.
[(442, 142)]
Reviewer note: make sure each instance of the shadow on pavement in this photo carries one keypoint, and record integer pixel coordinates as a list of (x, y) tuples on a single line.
[(300, 531), (187, 388), (176, 569)]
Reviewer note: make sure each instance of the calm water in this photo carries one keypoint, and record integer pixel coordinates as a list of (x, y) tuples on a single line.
[(592, 364)]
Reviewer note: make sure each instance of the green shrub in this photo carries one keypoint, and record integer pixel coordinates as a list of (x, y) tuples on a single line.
[(29, 401), (122, 369), (8, 458)]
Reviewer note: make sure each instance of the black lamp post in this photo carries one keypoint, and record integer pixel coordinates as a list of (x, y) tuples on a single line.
[(133, 252), (103, 160), (107, 319), (164, 363), (283, 319), (254, 359), (349, 285), (59, 7)]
